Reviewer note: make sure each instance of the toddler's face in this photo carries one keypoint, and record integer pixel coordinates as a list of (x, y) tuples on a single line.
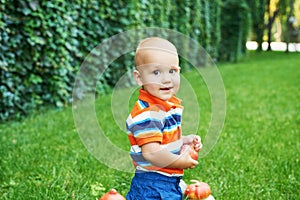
[(159, 73)]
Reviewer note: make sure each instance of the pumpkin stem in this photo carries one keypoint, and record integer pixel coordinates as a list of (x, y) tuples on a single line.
[(113, 191), (196, 182)]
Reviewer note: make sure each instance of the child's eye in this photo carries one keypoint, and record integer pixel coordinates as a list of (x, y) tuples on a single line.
[(172, 71), (156, 72)]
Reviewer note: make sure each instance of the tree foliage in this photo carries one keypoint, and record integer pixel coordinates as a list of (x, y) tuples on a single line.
[(43, 43), (235, 26)]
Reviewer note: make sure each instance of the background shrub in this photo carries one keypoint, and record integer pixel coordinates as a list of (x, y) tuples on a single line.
[(43, 43), (234, 29)]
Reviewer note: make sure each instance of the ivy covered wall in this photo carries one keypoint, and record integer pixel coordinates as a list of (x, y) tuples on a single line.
[(43, 43)]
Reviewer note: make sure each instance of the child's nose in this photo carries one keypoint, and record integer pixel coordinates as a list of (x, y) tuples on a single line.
[(166, 77)]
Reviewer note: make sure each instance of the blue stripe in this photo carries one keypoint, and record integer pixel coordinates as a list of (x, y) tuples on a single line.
[(145, 125), (171, 121), (174, 117), (177, 117), (146, 130), (170, 128), (142, 122), (143, 104), (138, 157)]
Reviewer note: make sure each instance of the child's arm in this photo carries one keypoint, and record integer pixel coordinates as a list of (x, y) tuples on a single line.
[(162, 157)]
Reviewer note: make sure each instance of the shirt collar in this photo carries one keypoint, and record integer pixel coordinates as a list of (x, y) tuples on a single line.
[(173, 102)]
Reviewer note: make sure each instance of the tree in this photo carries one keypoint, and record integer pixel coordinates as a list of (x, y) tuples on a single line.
[(272, 14), (274, 8), (257, 10), (292, 31)]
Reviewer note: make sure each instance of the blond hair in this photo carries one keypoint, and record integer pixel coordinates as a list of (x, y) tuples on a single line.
[(153, 44)]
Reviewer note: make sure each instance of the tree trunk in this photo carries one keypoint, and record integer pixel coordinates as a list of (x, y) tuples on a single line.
[(271, 20), (289, 25)]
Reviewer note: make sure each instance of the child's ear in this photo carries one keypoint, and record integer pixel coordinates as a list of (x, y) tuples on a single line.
[(137, 77)]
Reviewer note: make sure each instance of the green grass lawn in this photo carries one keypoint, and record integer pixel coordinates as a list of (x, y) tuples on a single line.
[(256, 157)]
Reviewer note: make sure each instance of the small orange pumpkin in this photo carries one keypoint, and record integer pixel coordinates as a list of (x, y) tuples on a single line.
[(198, 190), (112, 195)]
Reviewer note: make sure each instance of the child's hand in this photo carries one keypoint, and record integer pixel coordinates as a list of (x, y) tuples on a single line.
[(197, 143), (195, 140), (187, 162)]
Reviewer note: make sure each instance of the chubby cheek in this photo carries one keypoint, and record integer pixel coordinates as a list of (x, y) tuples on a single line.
[(152, 88), (151, 82), (176, 84), (152, 85)]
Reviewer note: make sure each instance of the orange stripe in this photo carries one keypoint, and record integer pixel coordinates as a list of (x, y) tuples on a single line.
[(142, 141), (166, 170), (131, 139)]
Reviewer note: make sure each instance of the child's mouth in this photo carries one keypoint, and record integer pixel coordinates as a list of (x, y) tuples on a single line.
[(166, 89)]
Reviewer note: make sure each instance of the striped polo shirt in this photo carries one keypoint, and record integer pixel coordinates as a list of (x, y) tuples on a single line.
[(154, 120)]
